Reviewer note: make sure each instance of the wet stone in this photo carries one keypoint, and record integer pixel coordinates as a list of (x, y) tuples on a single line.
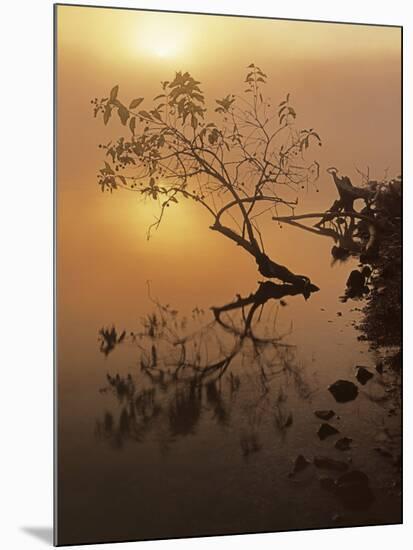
[(343, 444), (330, 464), (326, 430), (324, 414), (343, 391), (383, 452), (327, 483), (300, 464), (363, 375), (353, 489)]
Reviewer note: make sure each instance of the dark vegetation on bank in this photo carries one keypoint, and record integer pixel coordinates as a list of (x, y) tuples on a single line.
[(371, 233), (382, 322)]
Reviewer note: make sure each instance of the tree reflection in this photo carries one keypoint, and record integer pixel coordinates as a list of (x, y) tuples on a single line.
[(184, 377)]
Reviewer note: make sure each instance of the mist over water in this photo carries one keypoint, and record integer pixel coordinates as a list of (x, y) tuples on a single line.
[(216, 458), (143, 454)]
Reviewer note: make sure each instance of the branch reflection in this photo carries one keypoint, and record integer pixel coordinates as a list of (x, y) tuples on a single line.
[(192, 370)]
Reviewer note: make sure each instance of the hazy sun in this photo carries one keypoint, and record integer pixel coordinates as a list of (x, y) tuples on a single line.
[(165, 49), (163, 38)]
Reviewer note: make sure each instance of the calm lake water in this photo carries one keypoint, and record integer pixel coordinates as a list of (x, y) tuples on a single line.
[(179, 459), (141, 455)]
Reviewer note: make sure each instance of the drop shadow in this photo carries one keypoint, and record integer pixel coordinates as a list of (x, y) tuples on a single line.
[(44, 534)]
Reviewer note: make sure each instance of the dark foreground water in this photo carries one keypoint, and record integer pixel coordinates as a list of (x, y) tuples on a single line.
[(149, 452)]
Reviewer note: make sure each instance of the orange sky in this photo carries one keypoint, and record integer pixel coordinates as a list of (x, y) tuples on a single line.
[(344, 81)]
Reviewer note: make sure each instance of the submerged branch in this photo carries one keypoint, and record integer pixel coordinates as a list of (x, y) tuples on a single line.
[(355, 215)]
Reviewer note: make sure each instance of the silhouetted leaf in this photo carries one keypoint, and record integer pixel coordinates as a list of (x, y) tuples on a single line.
[(114, 93), (156, 115), (108, 168), (106, 114), (281, 110), (144, 114), (123, 114), (135, 103)]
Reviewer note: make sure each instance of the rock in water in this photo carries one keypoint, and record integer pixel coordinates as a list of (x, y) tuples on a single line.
[(330, 464), (383, 452), (343, 391), (354, 491), (324, 415), (326, 430), (343, 444), (300, 464), (328, 483), (363, 375)]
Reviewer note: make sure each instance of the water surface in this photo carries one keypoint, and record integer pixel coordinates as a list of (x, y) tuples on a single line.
[(214, 457)]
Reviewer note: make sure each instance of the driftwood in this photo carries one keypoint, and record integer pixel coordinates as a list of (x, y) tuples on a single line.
[(347, 191), (342, 208)]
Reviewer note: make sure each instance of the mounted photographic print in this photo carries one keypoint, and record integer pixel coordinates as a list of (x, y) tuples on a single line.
[(228, 275)]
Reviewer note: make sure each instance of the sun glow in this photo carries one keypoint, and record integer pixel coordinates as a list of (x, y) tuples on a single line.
[(163, 39), (165, 50)]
